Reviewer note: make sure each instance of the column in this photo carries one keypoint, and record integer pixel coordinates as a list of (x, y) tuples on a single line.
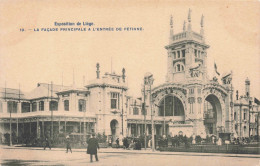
[(46, 105), (19, 107), (30, 128), (59, 126), (80, 127), (65, 123), (37, 129), (43, 134), (17, 129), (60, 104)]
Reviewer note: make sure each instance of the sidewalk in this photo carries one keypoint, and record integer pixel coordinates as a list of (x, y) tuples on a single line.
[(143, 151)]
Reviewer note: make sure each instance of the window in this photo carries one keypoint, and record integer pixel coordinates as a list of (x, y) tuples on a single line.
[(34, 106), (179, 67), (179, 54), (53, 105), (66, 105), (174, 55), (191, 91), (235, 116), (1, 107), (195, 53), (199, 91), (41, 106), (199, 54), (244, 115), (12, 106), (82, 105), (136, 111), (25, 107), (114, 97), (183, 53)]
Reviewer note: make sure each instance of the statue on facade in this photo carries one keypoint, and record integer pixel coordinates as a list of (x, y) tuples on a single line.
[(227, 78), (195, 71)]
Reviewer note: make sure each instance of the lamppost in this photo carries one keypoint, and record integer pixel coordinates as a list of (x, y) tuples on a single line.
[(148, 80)]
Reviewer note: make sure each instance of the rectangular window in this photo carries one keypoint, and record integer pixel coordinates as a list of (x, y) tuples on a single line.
[(195, 52), (41, 106), (174, 55), (244, 116), (53, 105), (12, 106), (183, 53), (114, 98), (66, 105), (1, 107), (82, 105), (179, 54), (191, 91), (25, 107), (34, 107), (135, 111)]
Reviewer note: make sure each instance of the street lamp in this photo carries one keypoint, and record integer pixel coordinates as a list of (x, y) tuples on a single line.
[(148, 80)]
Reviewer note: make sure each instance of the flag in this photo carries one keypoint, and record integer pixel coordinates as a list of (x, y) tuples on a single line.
[(216, 69), (257, 101)]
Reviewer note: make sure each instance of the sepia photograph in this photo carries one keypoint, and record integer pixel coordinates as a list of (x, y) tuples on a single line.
[(129, 83)]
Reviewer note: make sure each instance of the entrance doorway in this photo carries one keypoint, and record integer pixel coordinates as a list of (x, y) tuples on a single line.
[(114, 126), (212, 115)]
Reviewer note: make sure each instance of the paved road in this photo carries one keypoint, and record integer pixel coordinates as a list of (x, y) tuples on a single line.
[(37, 156)]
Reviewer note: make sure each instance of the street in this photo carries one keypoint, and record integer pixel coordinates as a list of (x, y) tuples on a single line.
[(58, 156)]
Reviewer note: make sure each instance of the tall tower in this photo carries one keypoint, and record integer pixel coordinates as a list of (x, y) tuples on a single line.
[(247, 86), (187, 53)]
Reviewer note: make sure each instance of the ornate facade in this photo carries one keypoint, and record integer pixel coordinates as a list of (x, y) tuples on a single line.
[(189, 102)]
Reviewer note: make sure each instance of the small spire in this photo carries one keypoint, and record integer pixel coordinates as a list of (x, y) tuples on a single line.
[(202, 21), (189, 20), (97, 66), (171, 29), (123, 74), (189, 16), (184, 26), (171, 22)]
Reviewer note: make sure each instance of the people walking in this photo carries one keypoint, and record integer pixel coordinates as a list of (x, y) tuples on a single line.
[(92, 147), (117, 142), (47, 143), (68, 143)]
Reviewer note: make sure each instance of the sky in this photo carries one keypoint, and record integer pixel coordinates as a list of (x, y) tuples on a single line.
[(27, 58)]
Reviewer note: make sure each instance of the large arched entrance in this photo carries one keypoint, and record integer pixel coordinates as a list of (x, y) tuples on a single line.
[(171, 106), (114, 126), (212, 115)]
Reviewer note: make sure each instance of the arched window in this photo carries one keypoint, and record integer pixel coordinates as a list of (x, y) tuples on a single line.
[(173, 107), (66, 105), (178, 67)]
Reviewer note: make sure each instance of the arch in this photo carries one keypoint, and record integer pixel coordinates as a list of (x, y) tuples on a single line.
[(213, 114), (173, 106), (178, 67), (114, 126)]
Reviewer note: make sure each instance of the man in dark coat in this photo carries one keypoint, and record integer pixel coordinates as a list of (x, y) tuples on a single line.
[(92, 147), (68, 143), (47, 143)]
